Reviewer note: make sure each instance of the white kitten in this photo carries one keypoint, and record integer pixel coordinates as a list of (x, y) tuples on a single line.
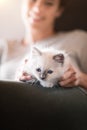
[(47, 65)]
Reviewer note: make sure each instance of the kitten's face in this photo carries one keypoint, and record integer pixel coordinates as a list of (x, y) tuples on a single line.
[(47, 66)]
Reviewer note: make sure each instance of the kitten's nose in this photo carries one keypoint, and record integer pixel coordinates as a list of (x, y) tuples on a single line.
[(43, 76)]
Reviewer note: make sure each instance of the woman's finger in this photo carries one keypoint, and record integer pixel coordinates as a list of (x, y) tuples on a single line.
[(25, 78), (68, 81), (69, 73)]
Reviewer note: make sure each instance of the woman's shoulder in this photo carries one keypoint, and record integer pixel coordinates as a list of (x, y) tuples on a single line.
[(14, 43), (8, 42), (73, 34), (76, 32), (10, 46)]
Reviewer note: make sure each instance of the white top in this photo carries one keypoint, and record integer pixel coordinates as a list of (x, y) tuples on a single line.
[(11, 53)]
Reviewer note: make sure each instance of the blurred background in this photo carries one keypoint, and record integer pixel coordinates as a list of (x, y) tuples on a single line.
[(11, 26)]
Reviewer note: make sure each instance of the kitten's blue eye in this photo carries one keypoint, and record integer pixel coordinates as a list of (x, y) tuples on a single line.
[(49, 71), (38, 70)]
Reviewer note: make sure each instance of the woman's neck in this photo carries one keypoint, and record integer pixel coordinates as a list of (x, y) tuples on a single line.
[(33, 36)]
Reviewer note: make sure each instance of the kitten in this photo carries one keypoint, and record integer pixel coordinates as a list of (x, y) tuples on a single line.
[(47, 65)]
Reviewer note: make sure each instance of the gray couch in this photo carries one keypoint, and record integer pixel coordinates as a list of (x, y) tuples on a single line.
[(27, 107)]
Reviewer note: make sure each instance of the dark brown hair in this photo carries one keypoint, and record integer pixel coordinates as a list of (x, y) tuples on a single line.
[(64, 3)]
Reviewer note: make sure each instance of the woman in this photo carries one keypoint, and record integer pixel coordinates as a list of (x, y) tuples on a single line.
[(39, 18), (23, 107)]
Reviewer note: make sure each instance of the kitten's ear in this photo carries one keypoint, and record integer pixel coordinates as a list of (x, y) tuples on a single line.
[(59, 58), (36, 51)]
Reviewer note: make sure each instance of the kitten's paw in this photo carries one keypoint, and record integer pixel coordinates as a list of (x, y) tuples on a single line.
[(47, 85)]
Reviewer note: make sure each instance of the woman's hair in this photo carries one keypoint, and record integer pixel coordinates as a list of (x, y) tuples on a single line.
[(63, 4)]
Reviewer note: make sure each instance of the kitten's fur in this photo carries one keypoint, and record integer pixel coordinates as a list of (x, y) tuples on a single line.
[(47, 65)]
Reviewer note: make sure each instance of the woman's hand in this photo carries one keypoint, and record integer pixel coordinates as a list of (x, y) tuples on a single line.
[(72, 77), (22, 75)]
